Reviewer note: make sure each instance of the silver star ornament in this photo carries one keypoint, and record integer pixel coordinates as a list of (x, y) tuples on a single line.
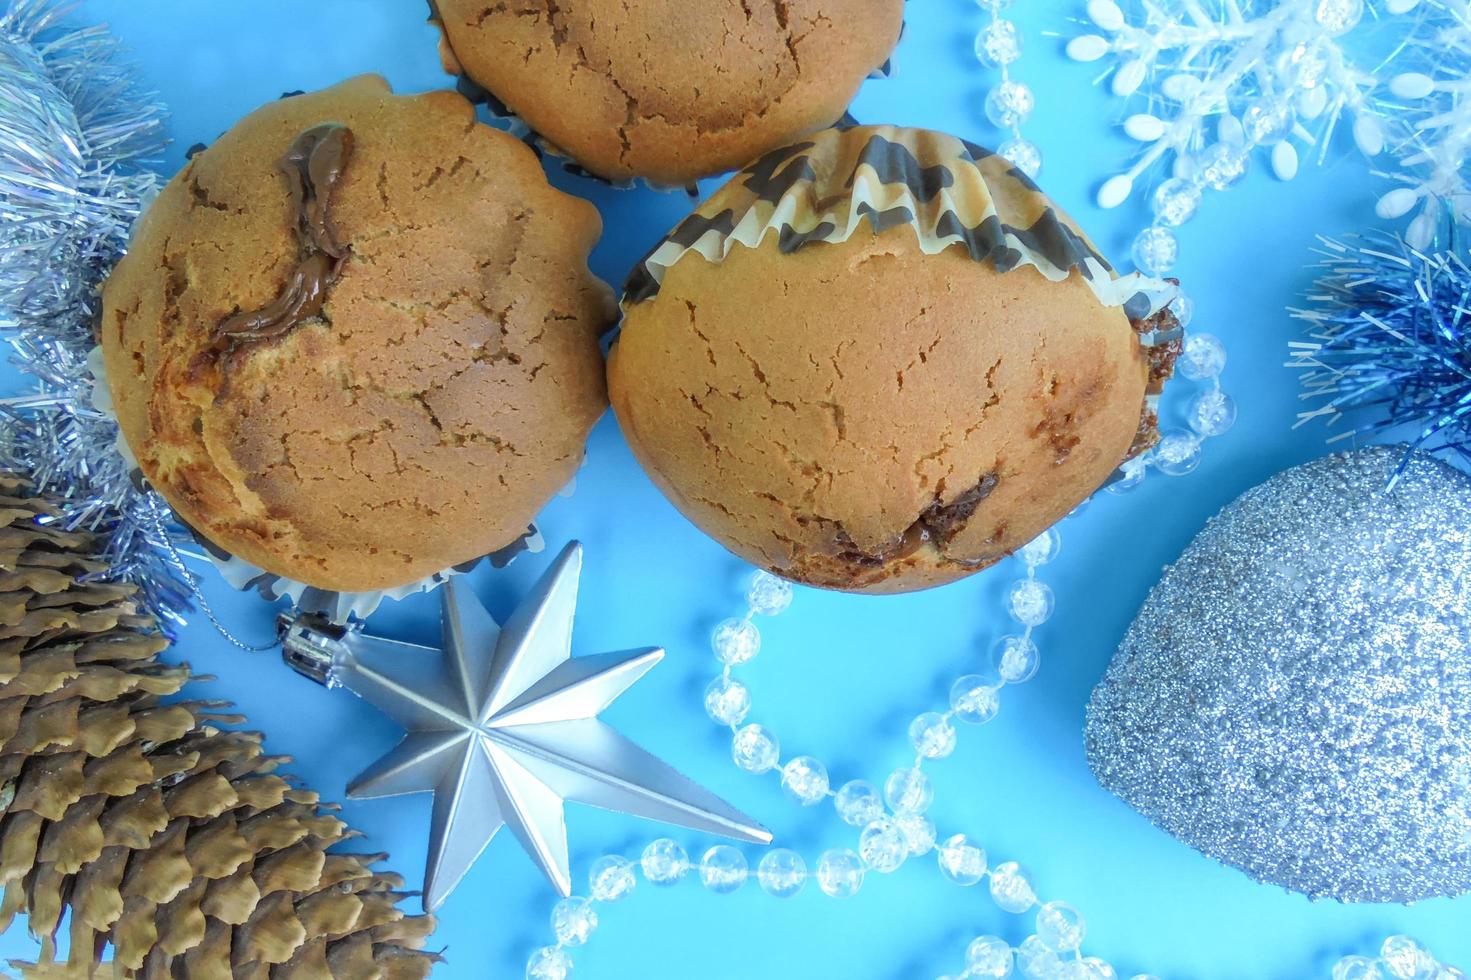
[(502, 728)]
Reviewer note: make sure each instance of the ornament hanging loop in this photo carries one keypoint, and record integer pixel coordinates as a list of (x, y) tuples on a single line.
[(312, 645)]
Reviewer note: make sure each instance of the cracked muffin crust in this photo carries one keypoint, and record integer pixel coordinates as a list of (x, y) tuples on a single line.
[(843, 368), (669, 90), (355, 342)]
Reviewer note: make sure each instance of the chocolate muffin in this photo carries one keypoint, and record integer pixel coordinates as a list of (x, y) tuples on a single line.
[(669, 90), (881, 359), (355, 341)]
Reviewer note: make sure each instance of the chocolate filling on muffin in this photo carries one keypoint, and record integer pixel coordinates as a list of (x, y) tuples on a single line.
[(313, 165), (1162, 353), (937, 525)]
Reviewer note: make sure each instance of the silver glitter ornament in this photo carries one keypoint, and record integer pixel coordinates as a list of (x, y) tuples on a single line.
[(502, 728), (1294, 698)]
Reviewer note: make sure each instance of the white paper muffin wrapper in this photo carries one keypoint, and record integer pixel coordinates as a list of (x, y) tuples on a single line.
[(338, 607), (951, 192)]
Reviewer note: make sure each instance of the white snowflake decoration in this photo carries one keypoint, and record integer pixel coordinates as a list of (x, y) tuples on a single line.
[(1433, 132), (1225, 77)]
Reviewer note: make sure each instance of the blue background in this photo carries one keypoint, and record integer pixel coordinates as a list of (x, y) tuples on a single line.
[(839, 676)]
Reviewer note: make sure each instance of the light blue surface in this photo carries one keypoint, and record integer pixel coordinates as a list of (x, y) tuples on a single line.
[(839, 677)]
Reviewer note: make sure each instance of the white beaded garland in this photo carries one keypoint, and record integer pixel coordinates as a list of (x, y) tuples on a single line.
[(1016, 658), (962, 860), (1183, 306), (1009, 104), (840, 873), (1129, 476), (1178, 453), (755, 749), (1155, 250), (1175, 201), (1267, 122), (1030, 602), (1404, 959), (664, 862), (1022, 154), (549, 963), (975, 699), (610, 878), (781, 873), (723, 869), (1060, 927), (1400, 958), (882, 846), (573, 920), (727, 701), (805, 780), (908, 790), (918, 831), (735, 641), (1211, 412), (998, 44), (1356, 968), (1338, 16), (1011, 890), (932, 735), (1203, 357), (988, 956), (1222, 164), (1041, 549), (768, 594), (859, 803), (1035, 960)]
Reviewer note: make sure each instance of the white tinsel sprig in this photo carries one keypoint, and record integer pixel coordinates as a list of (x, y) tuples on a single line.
[(1431, 103), (1233, 78), (1223, 78), (75, 135)]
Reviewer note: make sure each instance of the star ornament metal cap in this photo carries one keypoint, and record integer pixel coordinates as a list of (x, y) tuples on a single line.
[(502, 728)]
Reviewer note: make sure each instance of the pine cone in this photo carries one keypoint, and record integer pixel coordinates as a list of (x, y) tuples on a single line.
[(175, 845)]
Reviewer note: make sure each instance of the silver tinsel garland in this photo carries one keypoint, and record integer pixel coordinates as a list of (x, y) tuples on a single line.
[(75, 135)]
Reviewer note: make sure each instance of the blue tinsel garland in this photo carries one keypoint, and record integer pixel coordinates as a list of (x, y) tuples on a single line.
[(1389, 345)]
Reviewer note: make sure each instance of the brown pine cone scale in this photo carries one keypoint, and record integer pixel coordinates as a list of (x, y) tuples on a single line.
[(172, 842)]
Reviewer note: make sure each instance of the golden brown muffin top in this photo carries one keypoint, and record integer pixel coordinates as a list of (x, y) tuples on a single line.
[(355, 341), (867, 417), (671, 90), (880, 359)]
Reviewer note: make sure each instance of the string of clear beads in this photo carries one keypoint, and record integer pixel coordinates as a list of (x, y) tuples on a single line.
[(1209, 412), (1010, 102), (892, 825)]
